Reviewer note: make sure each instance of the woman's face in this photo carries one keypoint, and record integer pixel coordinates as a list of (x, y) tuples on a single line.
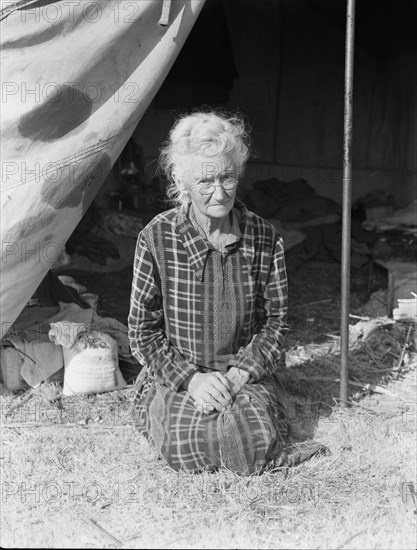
[(211, 183)]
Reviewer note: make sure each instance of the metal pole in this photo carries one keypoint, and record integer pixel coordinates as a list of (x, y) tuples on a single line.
[(347, 202)]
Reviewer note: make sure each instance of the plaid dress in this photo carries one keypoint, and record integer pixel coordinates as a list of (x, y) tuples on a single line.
[(196, 309)]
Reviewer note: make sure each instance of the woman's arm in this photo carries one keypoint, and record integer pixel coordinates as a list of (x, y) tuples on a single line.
[(261, 356), (147, 337)]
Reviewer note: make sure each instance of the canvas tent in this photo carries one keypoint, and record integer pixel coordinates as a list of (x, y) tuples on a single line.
[(76, 79), (280, 62)]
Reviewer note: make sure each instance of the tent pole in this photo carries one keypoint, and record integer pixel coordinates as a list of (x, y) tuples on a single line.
[(347, 202)]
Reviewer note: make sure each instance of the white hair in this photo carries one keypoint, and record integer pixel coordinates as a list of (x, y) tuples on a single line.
[(206, 134)]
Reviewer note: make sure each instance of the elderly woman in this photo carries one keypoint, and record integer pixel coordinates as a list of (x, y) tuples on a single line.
[(208, 309)]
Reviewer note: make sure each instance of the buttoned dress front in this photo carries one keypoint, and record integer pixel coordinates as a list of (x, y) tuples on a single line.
[(197, 309)]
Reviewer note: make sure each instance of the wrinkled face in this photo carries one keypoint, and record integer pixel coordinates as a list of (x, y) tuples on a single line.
[(211, 183)]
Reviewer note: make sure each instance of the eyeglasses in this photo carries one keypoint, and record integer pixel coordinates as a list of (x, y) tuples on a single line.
[(207, 188)]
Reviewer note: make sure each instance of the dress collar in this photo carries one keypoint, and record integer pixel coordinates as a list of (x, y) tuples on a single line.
[(197, 247)]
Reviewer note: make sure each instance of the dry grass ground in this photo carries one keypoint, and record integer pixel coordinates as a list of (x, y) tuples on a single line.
[(75, 473), (54, 477)]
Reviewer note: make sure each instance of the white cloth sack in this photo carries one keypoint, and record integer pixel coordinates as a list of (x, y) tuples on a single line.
[(90, 359)]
